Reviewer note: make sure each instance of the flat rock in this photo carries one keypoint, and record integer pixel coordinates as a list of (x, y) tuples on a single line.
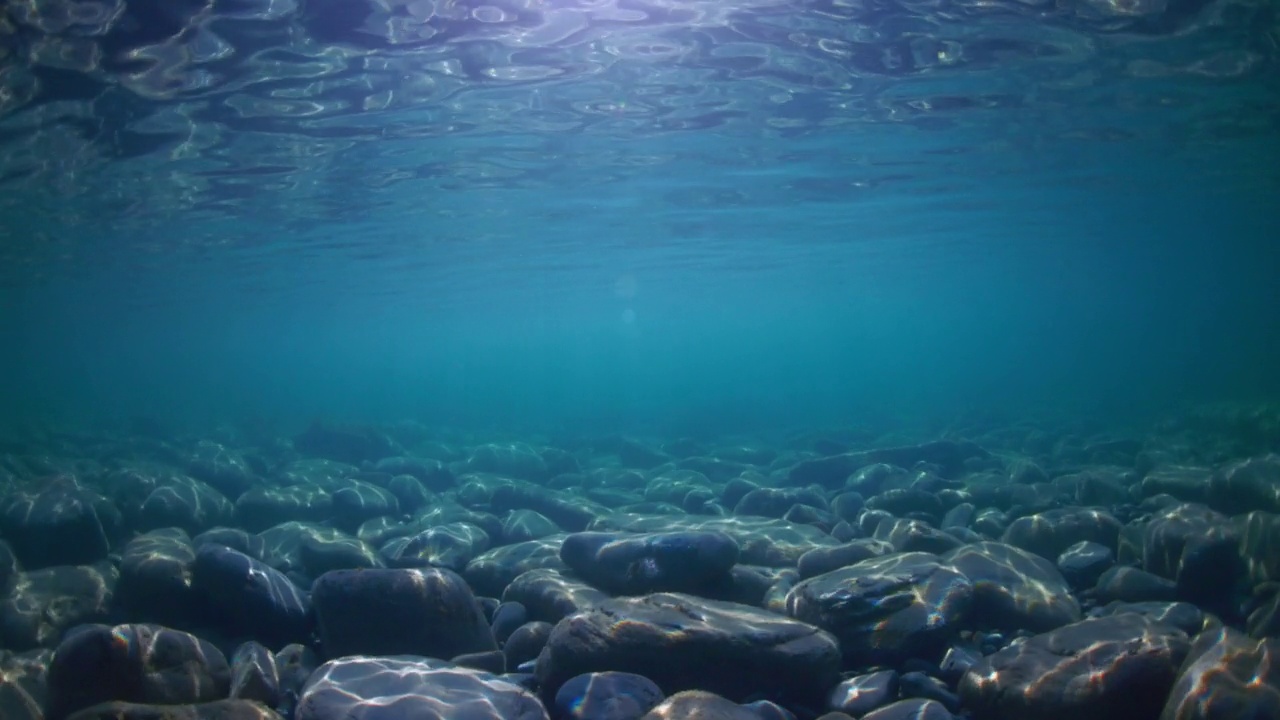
[(682, 642), (761, 541), (549, 595), (696, 562), (217, 710), (1014, 589), (1227, 676), (886, 610), (427, 612), (491, 572), (395, 688), (1111, 668)]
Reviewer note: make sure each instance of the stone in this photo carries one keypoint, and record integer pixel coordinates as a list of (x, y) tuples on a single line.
[(183, 502), (429, 612), (61, 524), (451, 546), (861, 694), (45, 603), (1083, 563), (606, 696), (491, 572), (523, 525), (394, 688), (700, 705), (1128, 584), (360, 501), (1014, 589), (254, 675), (217, 710), (624, 564), (1111, 668), (145, 664), (826, 559), (551, 596), (1198, 549), (886, 610), (155, 578), (1226, 676), (1048, 534), (911, 709), (761, 541), (682, 642), (526, 642), (250, 597), (270, 505)]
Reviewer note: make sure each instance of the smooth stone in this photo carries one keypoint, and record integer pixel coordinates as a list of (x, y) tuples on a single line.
[(681, 642), (607, 696), (145, 664), (1129, 662), (249, 596), (693, 562), (396, 688), (45, 603), (861, 694), (254, 675), (1083, 563), (911, 709), (1227, 676), (429, 612), (1014, 589), (217, 710), (526, 642)]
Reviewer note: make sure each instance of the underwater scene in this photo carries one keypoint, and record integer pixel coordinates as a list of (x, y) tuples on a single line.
[(639, 359)]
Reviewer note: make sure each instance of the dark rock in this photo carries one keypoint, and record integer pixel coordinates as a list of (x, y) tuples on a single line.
[(886, 610), (809, 515), (1260, 547), (919, 685), (249, 596), (1049, 534), (1188, 484), (959, 516), (360, 501), (23, 694), (1198, 549), (45, 603), (1013, 589), (956, 663), (735, 490), (344, 444), (916, 536), (761, 541), (515, 460), (679, 642), (267, 506), (254, 675), (1026, 472), (506, 618), (155, 578), (319, 555), (860, 695), (185, 503), (990, 522), (294, 664), (1226, 676), (1129, 584), (825, 559), (574, 515), (831, 471), (492, 661), (450, 546), (606, 696), (136, 664), (525, 525), (1186, 617), (693, 562), (1245, 486), (393, 688), (548, 595), (226, 470), (234, 538), (1129, 661), (1083, 563), (62, 524), (429, 612), (432, 475), (913, 709), (700, 705), (775, 502), (491, 572), (410, 492), (526, 642), (282, 544), (900, 501)]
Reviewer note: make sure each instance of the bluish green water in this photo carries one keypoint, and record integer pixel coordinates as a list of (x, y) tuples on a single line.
[(670, 216)]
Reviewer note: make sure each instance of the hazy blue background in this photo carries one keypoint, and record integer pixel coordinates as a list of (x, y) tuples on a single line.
[(1089, 231)]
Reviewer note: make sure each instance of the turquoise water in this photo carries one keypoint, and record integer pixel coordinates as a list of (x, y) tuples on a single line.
[(675, 217)]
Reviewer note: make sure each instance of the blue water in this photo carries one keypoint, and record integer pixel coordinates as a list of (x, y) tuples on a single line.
[(676, 217)]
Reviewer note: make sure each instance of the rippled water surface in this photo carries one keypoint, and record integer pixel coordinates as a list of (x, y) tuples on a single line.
[(699, 196)]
